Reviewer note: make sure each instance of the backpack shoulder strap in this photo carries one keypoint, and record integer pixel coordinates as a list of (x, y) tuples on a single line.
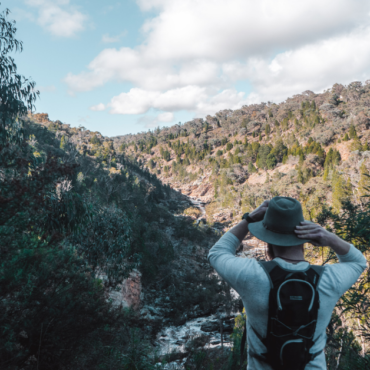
[(319, 271), (268, 266)]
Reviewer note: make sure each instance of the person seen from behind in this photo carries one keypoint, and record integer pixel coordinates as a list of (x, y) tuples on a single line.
[(288, 302)]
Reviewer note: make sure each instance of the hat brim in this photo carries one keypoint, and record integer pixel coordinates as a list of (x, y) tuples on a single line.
[(283, 240)]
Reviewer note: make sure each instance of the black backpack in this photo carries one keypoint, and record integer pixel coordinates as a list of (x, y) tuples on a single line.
[(293, 307)]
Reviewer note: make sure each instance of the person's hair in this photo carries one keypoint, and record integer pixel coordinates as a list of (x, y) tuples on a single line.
[(269, 252)]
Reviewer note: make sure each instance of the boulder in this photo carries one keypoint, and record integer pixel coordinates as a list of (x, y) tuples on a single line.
[(130, 293), (210, 326)]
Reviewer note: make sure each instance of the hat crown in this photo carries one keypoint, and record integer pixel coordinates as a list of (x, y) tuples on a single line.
[(283, 215)]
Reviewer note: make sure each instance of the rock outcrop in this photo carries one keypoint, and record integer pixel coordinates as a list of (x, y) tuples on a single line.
[(130, 292)]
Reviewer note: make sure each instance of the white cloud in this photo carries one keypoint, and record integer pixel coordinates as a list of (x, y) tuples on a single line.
[(220, 30), (149, 121), (195, 51), (58, 17), (143, 70), (107, 39), (98, 107), (138, 101), (166, 117), (316, 66), (192, 98)]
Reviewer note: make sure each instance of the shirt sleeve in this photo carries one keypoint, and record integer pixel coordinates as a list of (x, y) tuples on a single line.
[(346, 273), (234, 270)]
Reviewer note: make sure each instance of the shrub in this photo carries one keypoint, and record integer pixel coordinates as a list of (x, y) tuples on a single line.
[(54, 310), (251, 168), (94, 140)]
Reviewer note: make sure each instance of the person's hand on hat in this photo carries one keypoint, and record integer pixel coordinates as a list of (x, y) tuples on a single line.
[(321, 237), (259, 213), (318, 236)]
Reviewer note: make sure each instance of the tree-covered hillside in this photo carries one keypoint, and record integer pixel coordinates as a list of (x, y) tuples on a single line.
[(314, 147)]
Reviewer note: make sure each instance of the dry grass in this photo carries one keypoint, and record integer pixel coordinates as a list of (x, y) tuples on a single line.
[(211, 209), (192, 212)]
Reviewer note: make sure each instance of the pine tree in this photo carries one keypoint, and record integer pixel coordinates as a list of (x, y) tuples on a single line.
[(365, 147), (229, 146), (364, 183), (151, 163), (63, 142), (340, 190), (321, 154), (326, 173), (336, 157), (356, 145), (245, 122), (95, 141), (300, 175), (216, 185), (267, 129), (251, 168), (332, 158), (267, 178), (346, 138), (223, 182), (231, 159), (352, 131), (260, 137)]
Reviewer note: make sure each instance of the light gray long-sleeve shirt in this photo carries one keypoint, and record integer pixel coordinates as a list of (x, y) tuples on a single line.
[(249, 279)]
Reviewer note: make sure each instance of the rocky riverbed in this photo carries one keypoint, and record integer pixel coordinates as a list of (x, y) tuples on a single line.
[(174, 339)]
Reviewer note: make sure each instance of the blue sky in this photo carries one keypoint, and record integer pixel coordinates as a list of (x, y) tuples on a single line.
[(122, 67), (47, 58)]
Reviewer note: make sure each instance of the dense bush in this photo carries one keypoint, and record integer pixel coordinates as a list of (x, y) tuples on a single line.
[(350, 321)]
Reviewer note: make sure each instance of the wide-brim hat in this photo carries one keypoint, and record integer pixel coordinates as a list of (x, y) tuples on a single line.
[(277, 227)]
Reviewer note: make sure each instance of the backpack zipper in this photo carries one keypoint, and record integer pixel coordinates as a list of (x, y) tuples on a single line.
[(301, 281), (287, 342)]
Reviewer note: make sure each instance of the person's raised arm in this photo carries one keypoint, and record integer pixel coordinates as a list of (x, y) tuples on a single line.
[(222, 254), (322, 237), (352, 262), (241, 229)]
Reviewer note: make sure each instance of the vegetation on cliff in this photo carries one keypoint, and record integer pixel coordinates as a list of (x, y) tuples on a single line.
[(72, 228), (310, 146)]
